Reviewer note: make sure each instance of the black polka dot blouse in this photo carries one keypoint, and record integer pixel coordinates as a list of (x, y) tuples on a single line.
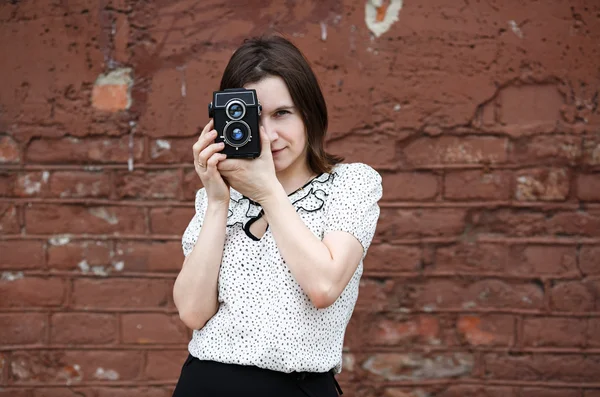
[(264, 318)]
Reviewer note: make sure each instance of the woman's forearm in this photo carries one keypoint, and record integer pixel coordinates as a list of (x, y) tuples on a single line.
[(307, 257), (195, 290)]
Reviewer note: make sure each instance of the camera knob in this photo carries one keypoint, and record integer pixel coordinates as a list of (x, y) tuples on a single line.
[(211, 110), (259, 109)]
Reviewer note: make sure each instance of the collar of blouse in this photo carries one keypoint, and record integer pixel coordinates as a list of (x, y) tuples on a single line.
[(309, 198)]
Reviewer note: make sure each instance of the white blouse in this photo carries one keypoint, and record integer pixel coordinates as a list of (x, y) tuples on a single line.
[(264, 318)]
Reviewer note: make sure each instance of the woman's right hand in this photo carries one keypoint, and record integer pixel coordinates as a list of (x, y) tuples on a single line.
[(206, 158)]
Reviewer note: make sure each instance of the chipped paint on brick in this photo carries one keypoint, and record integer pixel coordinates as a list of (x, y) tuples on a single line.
[(380, 15)]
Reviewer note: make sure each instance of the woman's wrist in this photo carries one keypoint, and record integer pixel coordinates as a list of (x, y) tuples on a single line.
[(217, 207), (272, 196)]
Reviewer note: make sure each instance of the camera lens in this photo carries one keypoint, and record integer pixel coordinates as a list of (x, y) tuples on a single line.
[(235, 110), (237, 133)]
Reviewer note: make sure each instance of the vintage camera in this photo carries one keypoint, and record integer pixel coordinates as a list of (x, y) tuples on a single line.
[(236, 113)]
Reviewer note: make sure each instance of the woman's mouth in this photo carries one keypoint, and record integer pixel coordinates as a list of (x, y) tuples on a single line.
[(274, 152)]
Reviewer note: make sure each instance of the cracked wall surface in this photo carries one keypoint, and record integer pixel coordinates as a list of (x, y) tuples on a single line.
[(481, 116)]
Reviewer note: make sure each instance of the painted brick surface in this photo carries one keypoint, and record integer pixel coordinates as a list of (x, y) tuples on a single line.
[(481, 116)]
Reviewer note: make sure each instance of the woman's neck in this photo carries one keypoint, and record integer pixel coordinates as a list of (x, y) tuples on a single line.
[(293, 179)]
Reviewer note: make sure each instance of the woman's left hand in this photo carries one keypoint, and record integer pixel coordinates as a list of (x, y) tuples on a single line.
[(254, 178)]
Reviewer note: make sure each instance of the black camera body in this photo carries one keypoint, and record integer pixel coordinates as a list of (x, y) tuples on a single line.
[(236, 114)]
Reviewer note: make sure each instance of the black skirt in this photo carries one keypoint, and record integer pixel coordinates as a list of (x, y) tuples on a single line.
[(201, 378)]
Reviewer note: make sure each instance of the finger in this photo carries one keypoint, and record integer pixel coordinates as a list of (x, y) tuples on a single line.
[(230, 165), (209, 126), (203, 142), (209, 151), (215, 159)]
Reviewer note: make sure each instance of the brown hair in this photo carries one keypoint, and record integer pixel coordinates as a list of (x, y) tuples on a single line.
[(260, 57)]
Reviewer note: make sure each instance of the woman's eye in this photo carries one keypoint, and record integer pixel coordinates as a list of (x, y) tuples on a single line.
[(280, 113)]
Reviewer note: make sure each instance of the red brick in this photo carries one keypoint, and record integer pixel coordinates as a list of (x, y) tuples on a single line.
[(31, 184), (191, 184), (169, 151), (9, 150), (399, 330), (9, 392), (503, 295), (591, 150), (53, 219), (121, 37), (455, 150), (434, 294), (554, 332), (119, 5), (478, 391), (23, 254), (148, 328), (509, 222), (148, 185), (420, 222), (548, 392), (542, 184), (542, 367), (393, 392), (410, 186), (120, 293), (397, 367), (593, 332), (575, 223), (488, 330), (439, 294), (588, 187), (32, 292), (471, 258), (572, 296), (111, 92), (477, 185), (3, 364), (89, 150), (73, 366), (135, 391), (154, 256), (376, 149), (530, 104), (77, 184), (543, 260), (164, 365), (546, 149), (377, 294), (23, 328), (188, 117), (7, 184), (63, 392), (398, 258), (170, 220), (78, 255), (9, 221), (83, 328)]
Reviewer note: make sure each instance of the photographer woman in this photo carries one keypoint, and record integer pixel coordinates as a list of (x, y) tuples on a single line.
[(274, 252)]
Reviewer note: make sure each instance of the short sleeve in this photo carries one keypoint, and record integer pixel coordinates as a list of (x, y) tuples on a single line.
[(190, 235), (353, 202)]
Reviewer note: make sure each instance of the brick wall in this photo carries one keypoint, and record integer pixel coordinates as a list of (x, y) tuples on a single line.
[(482, 117)]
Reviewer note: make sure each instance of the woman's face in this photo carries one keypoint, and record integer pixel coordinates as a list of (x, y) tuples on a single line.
[(283, 124)]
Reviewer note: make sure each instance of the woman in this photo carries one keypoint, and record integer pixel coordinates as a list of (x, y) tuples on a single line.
[(274, 252)]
